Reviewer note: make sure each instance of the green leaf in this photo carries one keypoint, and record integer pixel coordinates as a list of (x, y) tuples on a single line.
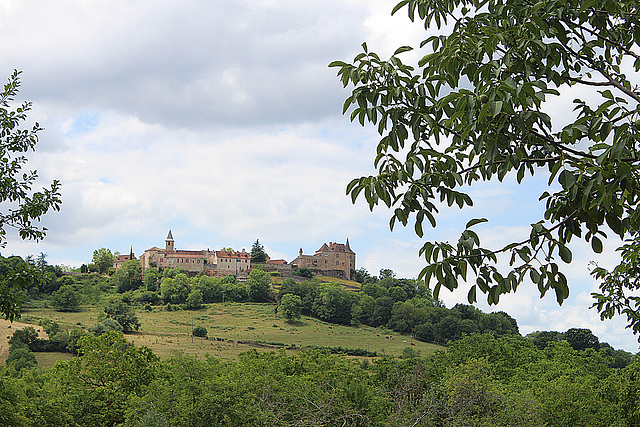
[(399, 6), (402, 49), (475, 221), (537, 7), (534, 275), (471, 296), (586, 4), (596, 245), (614, 223), (565, 253)]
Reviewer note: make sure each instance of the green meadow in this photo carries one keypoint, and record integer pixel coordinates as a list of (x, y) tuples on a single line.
[(234, 328)]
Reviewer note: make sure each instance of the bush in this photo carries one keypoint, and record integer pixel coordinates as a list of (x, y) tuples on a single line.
[(410, 353), (303, 272), (200, 331), (124, 315), (67, 298), (20, 357), (194, 300), (104, 326), (290, 307)]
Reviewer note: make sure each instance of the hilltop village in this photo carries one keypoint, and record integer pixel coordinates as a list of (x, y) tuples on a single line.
[(332, 259)]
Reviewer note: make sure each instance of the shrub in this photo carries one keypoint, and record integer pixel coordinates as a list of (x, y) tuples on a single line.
[(200, 331), (303, 272)]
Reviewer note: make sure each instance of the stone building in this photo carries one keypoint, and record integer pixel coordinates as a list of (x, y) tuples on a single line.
[(236, 263), (213, 263), (121, 259), (334, 259)]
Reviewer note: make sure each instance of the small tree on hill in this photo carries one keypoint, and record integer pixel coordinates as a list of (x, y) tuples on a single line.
[(124, 314), (291, 307), (103, 259), (104, 326), (303, 272), (199, 331), (67, 298), (194, 300)]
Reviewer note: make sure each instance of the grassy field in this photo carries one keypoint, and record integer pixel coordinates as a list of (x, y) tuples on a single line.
[(350, 285), (235, 328), (47, 360)]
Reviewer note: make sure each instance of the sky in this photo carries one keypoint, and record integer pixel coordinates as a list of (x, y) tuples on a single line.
[(222, 122)]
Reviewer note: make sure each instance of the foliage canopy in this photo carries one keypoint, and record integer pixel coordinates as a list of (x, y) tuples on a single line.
[(22, 208), (477, 108)]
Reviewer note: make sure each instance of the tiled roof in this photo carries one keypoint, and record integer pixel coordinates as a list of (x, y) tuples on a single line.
[(334, 247), (276, 261), (238, 255)]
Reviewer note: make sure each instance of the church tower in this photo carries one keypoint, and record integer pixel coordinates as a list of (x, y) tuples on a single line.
[(170, 243)]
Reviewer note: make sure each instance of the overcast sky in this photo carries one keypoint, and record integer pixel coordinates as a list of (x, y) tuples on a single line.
[(221, 121)]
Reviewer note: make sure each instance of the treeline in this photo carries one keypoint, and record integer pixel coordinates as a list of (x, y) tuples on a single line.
[(478, 380), (67, 292), (402, 305)]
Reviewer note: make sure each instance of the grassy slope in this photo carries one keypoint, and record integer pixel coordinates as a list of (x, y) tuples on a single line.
[(347, 284), (168, 333)]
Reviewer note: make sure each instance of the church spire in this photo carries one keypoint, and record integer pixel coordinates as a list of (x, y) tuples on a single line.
[(169, 241)]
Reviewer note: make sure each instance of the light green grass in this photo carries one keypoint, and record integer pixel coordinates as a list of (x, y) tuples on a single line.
[(235, 324), (47, 360), (348, 284)]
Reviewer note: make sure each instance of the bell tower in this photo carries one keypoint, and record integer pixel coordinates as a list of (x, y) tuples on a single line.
[(169, 242)]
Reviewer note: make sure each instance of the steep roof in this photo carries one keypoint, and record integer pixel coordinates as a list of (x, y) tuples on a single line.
[(169, 236), (336, 247)]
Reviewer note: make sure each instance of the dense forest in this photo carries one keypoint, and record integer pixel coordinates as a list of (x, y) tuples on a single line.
[(488, 375), (478, 380)]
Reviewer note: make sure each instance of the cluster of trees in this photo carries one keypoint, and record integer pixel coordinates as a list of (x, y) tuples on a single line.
[(581, 339), (175, 287), (405, 306), (24, 342), (170, 286), (479, 380), (117, 317)]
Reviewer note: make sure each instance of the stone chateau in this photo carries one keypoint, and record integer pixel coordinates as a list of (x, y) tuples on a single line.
[(334, 259)]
